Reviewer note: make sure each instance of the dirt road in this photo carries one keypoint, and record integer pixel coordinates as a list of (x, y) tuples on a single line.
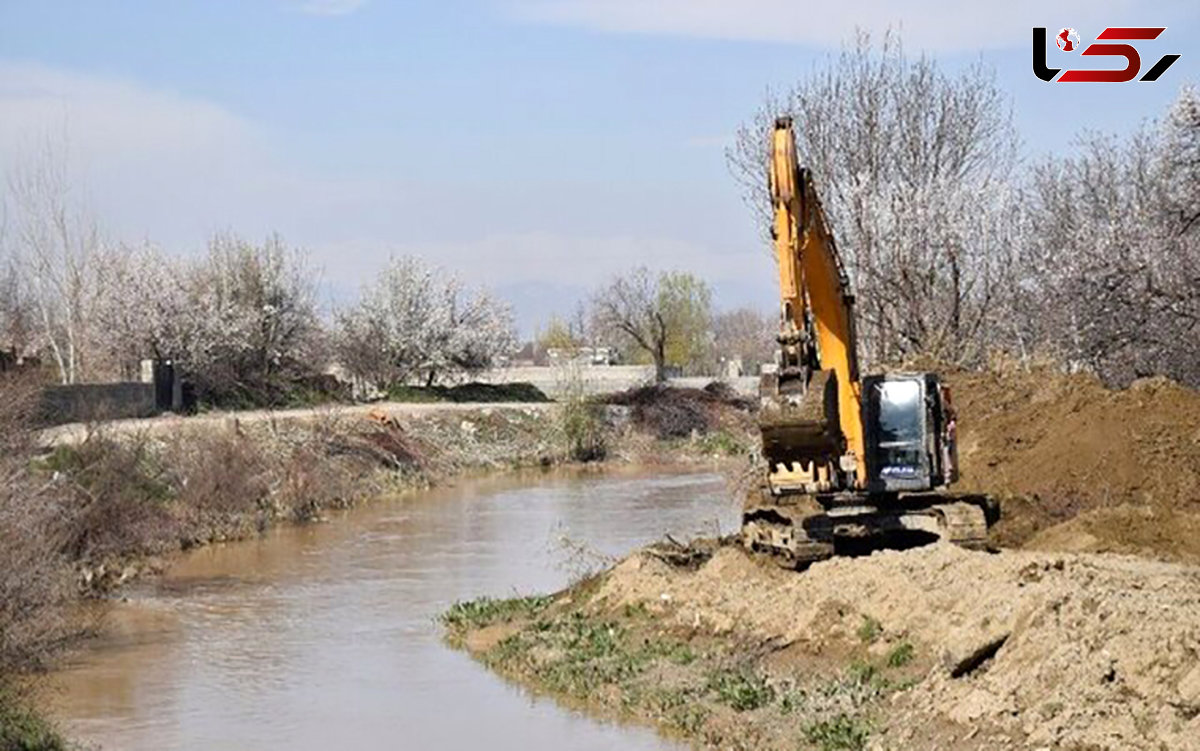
[(76, 432)]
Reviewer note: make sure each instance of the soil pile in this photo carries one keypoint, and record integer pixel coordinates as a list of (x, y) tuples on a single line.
[(1022, 649), (672, 412), (1123, 465)]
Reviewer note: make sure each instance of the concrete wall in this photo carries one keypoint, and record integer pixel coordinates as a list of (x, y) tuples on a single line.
[(97, 401), (602, 379)]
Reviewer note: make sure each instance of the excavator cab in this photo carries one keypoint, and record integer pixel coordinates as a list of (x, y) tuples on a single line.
[(910, 433)]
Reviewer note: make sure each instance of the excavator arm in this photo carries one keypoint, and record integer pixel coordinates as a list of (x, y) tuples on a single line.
[(812, 426)]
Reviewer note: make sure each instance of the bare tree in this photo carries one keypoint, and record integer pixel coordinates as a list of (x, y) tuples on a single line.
[(667, 317), (747, 335), (914, 166), (55, 240)]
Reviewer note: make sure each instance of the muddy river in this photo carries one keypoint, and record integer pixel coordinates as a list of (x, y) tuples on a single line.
[(324, 636)]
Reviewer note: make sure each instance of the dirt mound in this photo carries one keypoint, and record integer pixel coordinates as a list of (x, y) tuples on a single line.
[(1056, 446), (673, 412), (1036, 649)]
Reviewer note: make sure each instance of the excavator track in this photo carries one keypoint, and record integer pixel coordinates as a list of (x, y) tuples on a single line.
[(795, 535)]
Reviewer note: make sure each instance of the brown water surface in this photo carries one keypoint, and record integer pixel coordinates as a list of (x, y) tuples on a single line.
[(324, 636)]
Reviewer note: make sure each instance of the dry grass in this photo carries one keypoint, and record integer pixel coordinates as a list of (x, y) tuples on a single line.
[(35, 578)]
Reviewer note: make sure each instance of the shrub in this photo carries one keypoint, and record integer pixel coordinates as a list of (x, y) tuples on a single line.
[(221, 480), (118, 495), (581, 419), (21, 728)]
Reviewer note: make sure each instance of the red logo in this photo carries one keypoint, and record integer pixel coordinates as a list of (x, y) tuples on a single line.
[(1068, 41)]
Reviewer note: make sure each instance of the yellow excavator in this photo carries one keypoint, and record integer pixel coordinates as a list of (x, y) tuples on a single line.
[(852, 462)]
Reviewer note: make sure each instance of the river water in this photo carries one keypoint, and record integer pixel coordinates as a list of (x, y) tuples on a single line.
[(324, 636)]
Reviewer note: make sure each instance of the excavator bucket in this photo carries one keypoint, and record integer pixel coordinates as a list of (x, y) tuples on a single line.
[(800, 426)]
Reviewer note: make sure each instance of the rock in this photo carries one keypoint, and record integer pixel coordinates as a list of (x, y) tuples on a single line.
[(1189, 688), (975, 705)]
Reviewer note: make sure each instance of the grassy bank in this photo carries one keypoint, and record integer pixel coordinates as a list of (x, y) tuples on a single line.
[(690, 683)]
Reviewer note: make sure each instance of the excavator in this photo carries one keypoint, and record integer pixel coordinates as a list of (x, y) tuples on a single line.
[(851, 462)]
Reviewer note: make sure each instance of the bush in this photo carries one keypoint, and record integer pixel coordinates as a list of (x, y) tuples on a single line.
[(118, 497), (36, 582), (841, 733), (23, 729), (222, 482), (469, 392), (581, 420)]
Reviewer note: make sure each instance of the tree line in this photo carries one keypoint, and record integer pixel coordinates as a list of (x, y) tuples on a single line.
[(957, 249), (240, 322)]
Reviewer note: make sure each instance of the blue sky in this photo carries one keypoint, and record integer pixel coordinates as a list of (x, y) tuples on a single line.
[(537, 146)]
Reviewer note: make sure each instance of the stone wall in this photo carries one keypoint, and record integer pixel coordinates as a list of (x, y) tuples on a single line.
[(86, 402)]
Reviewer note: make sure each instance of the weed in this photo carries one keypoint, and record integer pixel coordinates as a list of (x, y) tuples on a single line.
[(742, 690), (724, 443), (901, 655), (792, 700), (841, 733), (581, 419), (635, 610), (22, 729), (869, 630), (689, 718), (675, 652), (485, 611), (681, 654), (862, 672)]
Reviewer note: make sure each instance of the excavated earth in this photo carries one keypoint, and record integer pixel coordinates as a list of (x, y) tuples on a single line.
[(930, 648), (1081, 467), (1028, 648), (1081, 632)]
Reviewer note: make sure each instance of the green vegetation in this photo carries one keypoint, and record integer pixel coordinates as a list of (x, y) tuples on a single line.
[(581, 420), (841, 733), (22, 729), (623, 661), (741, 689), (723, 443), (901, 655), (486, 611), (869, 630)]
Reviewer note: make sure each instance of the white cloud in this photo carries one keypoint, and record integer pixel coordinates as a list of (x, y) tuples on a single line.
[(328, 7), (149, 161), (171, 168), (924, 24)]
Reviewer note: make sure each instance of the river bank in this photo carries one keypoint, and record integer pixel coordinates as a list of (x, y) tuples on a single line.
[(935, 647), (109, 506)]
